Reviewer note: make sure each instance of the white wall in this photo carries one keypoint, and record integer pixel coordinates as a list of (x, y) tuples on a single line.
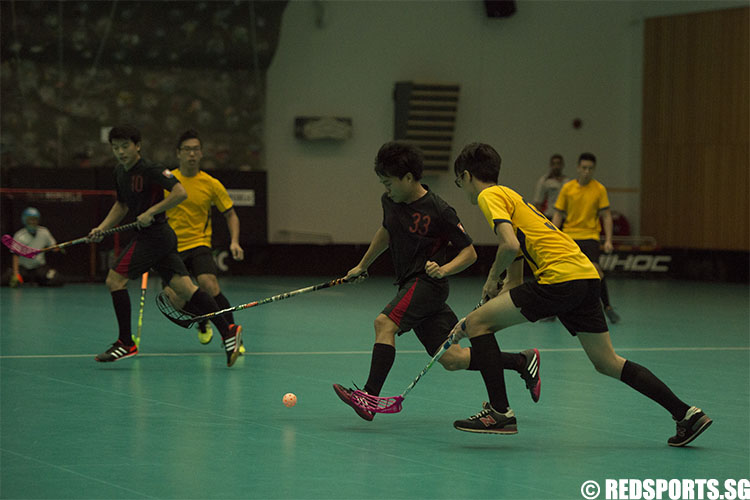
[(523, 80)]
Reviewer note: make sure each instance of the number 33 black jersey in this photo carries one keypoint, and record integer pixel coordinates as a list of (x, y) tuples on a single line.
[(421, 231)]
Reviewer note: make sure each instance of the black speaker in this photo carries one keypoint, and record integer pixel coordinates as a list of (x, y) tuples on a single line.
[(500, 8)]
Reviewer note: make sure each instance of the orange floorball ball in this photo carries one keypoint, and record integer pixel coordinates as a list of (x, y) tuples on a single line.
[(289, 399)]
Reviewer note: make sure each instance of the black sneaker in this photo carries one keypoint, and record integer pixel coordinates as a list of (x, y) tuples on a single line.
[(612, 315), (530, 373), (345, 395), (690, 427), (489, 421), (232, 343), (116, 352)]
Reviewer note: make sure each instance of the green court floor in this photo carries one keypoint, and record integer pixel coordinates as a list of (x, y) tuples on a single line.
[(175, 422)]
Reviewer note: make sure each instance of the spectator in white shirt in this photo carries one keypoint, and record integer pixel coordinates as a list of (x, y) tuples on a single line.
[(34, 270), (548, 186)]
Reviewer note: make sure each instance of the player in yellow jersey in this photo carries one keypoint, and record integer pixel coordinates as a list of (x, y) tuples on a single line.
[(581, 202), (566, 285), (191, 221)]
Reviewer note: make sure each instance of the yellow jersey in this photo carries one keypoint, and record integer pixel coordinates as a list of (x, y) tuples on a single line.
[(191, 219), (581, 205), (552, 255)]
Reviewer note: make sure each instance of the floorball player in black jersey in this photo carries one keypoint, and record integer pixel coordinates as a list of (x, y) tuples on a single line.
[(140, 192), (418, 226)]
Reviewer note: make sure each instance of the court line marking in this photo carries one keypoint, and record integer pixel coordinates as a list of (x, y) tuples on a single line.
[(313, 437), (442, 468), (339, 353), (73, 472)]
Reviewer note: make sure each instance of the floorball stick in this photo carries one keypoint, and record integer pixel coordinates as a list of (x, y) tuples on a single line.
[(144, 286), (28, 252), (186, 319)]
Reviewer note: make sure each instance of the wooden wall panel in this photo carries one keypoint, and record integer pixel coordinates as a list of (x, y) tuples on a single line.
[(696, 133)]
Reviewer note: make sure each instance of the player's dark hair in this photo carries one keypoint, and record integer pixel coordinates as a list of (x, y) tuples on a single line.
[(188, 134), (480, 160), (125, 132), (587, 156), (396, 159), (555, 157)]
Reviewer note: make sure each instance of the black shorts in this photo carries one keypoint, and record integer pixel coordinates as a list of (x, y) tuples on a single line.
[(591, 249), (420, 305), (576, 303), (199, 260), (154, 247)]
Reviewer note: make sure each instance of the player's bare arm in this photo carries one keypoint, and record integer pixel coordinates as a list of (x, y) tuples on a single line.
[(513, 277), (466, 257), (606, 216), (115, 215), (557, 219), (378, 245), (233, 223), (507, 250), (175, 197)]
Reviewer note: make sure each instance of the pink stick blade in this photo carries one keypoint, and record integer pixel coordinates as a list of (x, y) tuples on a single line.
[(18, 248), (376, 404)]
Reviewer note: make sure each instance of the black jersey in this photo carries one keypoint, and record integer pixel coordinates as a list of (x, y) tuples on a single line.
[(143, 186), (421, 231)]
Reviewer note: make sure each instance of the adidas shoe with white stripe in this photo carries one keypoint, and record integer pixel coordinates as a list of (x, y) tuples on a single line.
[(530, 373), (116, 352), (232, 343)]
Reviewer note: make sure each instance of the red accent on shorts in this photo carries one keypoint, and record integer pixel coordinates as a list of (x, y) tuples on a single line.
[(397, 313), (124, 264)]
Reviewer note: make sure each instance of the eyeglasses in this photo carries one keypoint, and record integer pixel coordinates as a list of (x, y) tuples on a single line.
[(195, 149), (460, 179)]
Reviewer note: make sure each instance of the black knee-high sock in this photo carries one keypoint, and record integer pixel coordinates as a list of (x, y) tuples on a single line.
[(604, 293), (642, 380), (511, 361), (191, 308), (203, 303), (489, 359), (383, 356), (223, 303), (121, 301)]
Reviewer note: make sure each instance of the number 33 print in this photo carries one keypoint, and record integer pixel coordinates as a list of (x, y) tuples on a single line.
[(421, 224)]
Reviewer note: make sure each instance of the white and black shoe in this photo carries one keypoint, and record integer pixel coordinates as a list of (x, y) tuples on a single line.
[(232, 343), (530, 373), (690, 427), (489, 421), (117, 352)]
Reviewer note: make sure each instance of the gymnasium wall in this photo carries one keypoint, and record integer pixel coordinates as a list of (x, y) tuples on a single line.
[(523, 81), (696, 139)]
